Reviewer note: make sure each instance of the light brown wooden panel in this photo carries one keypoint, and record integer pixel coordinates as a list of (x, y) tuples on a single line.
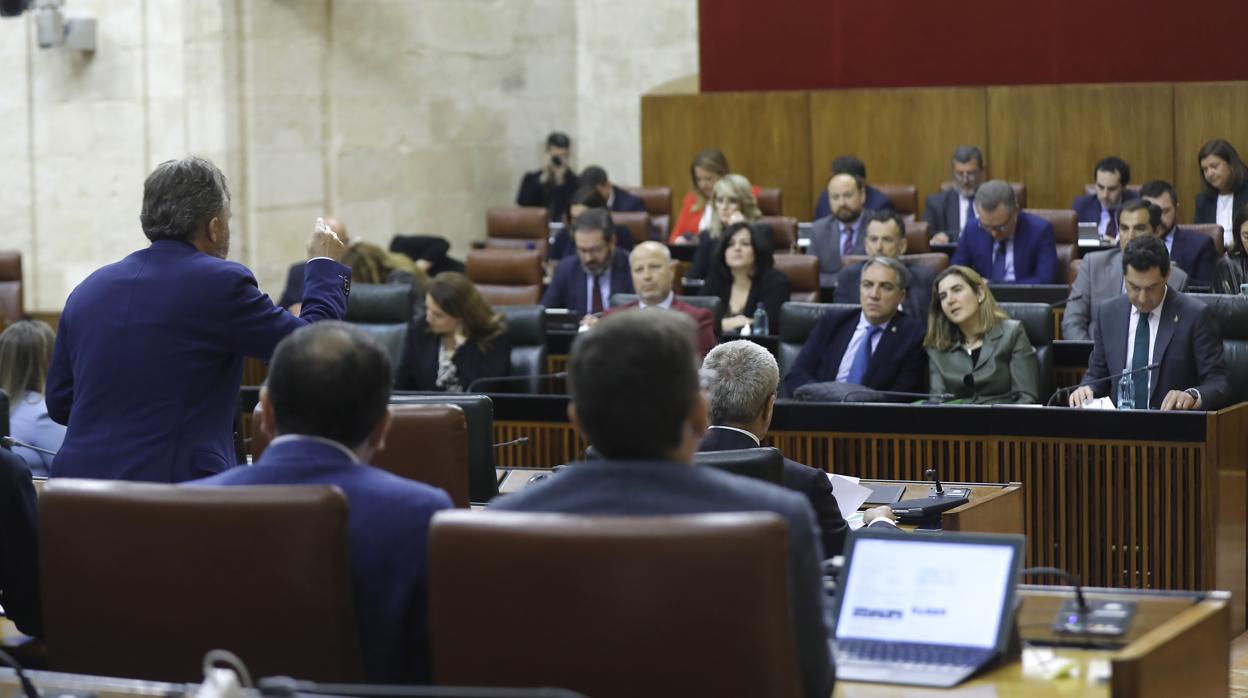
[(1051, 136), (904, 136), (1205, 110), (765, 135)]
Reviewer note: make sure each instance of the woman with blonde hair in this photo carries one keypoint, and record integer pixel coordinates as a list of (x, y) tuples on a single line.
[(975, 351), (373, 264), (458, 340), (25, 351), (732, 201)]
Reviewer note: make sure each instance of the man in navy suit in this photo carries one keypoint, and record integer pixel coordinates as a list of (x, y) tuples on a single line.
[(325, 407), (1112, 175), (617, 199), (948, 212), (584, 283), (1192, 252), (640, 370), (842, 233), (1006, 245), (148, 361), (850, 164), (742, 390), (1150, 324), (886, 237), (878, 347), (292, 293)]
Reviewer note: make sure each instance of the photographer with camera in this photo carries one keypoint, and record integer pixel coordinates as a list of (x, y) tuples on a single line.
[(551, 186)]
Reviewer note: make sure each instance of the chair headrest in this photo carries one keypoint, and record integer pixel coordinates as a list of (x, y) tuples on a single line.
[(379, 303), (759, 463)]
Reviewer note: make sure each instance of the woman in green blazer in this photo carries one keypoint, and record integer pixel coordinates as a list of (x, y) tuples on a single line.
[(975, 351)]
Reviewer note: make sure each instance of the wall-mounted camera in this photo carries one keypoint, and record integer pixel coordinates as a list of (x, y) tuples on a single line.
[(52, 28)]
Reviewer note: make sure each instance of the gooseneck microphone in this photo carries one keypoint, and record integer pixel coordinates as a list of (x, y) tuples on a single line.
[(1114, 376), (9, 442), (1063, 303), (523, 440), (502, 380), (1078, 617)]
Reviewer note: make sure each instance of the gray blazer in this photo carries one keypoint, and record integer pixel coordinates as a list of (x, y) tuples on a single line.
[(1099, 279), (1007, 364), (825, 243)]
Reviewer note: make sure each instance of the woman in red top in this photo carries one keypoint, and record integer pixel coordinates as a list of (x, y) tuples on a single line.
[(695, 213)]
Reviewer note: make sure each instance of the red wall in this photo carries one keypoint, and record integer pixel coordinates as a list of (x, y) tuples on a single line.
[(825, 44)]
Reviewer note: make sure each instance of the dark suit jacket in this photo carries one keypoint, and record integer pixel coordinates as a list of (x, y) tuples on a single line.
[(553, 198), (149, 358), (388, 534), (1188, 347), (624, 200), (567, 288), (918, 293), (19, 545), (418, 369), (1195, 254), (898, 362), (702, 318), (1207, 207), (876, 201), (811, 482), (1035, 252), (1088, 207), (825, 243), (657, 488), (293, 291), (940, 210), (771, 289), (1006, 372), (703, 255)]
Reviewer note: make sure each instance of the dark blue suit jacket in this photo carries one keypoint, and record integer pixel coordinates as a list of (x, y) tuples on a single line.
[(19, 545), (623, 200), (1088, 207), (388, 533), (1195, 254), (876, 201), (149, 358), (899, 362), (1035, 252), (567, 288)]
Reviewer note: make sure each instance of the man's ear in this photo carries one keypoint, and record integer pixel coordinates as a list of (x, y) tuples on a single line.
[(377, 438), (576, 423), (268, 425), (216, 226), (769, 409)]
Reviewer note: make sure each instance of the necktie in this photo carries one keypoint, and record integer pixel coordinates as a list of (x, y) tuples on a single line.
[(847, 240), (858, 369), (595, 303), (1111, 227), (1139, 359), (998, 262), (970, 210)]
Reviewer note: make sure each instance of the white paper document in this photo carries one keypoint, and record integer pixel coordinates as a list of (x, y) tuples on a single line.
[(849, 494)]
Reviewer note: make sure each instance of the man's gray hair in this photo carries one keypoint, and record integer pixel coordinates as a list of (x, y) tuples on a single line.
[(745, 375), (994, 193), (903, 274)]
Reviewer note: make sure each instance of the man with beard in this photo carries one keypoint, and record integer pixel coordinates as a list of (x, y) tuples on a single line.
[(584, 283), (843, 233)]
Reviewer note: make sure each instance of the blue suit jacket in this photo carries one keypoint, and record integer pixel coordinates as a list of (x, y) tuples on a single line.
[(567, 288), (876, 201), (1195, 254), (1088, 207), (1035, 252), (388, 533), (899, 362), (149, 358), (626, 488), (624, 200)]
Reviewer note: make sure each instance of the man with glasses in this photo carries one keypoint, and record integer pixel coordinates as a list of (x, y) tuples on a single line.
[(585, 282), (1006, 245), (948, 212)]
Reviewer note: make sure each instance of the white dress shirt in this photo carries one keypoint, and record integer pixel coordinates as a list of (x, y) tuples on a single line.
[(665, 304), (1226, 218), (1154, 320), (860, 333), (962, 202), (739, 431), (705, 222), (319, 439)]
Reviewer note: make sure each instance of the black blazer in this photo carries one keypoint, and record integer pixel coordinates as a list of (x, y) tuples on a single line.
[(1207, 207), (700, 266), (771, 289), (804, 479), (899, 362), (19, 551), (418, 369)]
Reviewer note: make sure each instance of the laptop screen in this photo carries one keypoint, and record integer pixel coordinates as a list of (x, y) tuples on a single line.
[(937, 590)]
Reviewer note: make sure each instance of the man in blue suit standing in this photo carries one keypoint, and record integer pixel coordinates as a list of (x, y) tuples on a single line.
[(1112, 175), (1190, 251), (1006, 245), (325, 407), (584, 283), (149, 357)]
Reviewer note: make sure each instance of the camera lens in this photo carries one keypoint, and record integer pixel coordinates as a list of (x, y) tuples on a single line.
[(556, 161)]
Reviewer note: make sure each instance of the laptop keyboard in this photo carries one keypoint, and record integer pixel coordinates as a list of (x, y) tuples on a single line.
[(911, 653)]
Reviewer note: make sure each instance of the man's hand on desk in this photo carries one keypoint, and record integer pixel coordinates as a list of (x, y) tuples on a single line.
[(1181, 400), (882, 514), (1080, 395)]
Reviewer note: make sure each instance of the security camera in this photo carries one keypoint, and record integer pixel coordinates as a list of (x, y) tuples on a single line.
[(52, 29)]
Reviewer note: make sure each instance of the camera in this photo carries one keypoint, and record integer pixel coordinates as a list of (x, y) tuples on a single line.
[(556, 161)]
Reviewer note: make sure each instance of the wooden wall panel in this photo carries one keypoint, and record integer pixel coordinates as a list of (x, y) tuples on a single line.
[(1203, 111), (904, 136), (765, 135), (1050, 137)]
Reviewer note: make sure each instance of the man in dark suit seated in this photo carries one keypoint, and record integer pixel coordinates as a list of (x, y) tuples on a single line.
[(1153, 323), (850, 164), (585, 282), (842, 233), (1112, 175), (19, 545), (292, 294), (652, 387), (325, 407), (1192, 252), (742, 392), (886, 237), (878, 347), (948, 212), (617, 199), (552, 185), (1004, 244)]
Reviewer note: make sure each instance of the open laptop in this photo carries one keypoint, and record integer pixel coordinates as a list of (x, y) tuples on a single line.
[(925, 610)]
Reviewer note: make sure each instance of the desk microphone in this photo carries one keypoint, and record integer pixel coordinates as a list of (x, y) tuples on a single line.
[(870, 393), (1064, 303), (9, 442), (1107, 618), (1059, 391), (523, 440), (512, 379)]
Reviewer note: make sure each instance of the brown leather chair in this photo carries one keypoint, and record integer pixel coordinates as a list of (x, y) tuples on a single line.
[(11, 306), (783, 232), (140, 580), (517, 227), (905, 198), (769, 201), (658, 201), (918, 237), (1020, 192), (427, 443), (506, 277), (637, 222), (1065, 234), (934, 261), (632, 605), (803, 273), (1213, 231)]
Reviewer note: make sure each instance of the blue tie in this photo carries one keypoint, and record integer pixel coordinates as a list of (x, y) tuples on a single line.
[(998, 262), (1139, 359), (970, 210), (858, 369)]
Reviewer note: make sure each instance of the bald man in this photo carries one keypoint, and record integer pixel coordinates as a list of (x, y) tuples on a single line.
[(653, 273), (293, 293)]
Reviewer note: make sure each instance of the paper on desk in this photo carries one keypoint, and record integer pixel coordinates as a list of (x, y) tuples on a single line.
[(849, 494), (1100, 403)]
